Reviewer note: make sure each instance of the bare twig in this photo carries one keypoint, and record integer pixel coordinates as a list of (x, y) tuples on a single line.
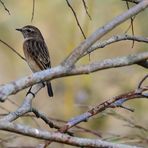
[(43, 117), (98, 134), (86, 9), (3, 4), (111, 103), (114, 39), (5, 109), (47, 120), (76, 18), (87, 43), (8, 138), (130, 122), (12, 49), (86, 130), (132, 21), (14, 103), (33, 8), (134, 1), (130, 25), (141, 82)]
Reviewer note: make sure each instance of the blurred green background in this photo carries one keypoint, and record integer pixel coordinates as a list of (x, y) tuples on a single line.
[(73, 95)]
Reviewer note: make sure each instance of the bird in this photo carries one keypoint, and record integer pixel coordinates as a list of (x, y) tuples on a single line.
[(36, 51)]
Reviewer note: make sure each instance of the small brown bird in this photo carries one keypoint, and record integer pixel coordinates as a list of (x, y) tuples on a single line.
[(36, 51)]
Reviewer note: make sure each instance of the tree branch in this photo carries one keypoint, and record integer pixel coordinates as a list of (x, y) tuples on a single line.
[(111, 103), (25, 107), (67, 64), (60, 71), (58, 137), (115, 39), (88, 42)]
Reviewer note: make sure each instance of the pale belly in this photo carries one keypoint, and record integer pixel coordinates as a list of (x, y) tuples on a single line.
[(32, 64)]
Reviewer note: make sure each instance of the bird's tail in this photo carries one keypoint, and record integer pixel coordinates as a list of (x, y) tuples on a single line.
[(49, 89)]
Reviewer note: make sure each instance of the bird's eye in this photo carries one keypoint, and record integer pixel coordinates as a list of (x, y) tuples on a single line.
[(29, 30)]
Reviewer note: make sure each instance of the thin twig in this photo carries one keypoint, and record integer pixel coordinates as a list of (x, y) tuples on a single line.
[(98, 134), (132, 26), (47, 120), (100, 32), (12, 49), (5, 109), (14, 103), (33, 9), (141, 82), (86, 9), (5, 6), (111, 103), (129, 121), (115, 39), (76, 18), (95, 133), (8, 139), (133, 1)]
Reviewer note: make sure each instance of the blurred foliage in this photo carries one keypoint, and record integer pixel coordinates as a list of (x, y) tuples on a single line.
[(73, 95)]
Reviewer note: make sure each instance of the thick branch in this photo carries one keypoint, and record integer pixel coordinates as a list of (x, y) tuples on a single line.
[(81, 49), (60, 71), (25, 107), (58, 137), (110, 63)]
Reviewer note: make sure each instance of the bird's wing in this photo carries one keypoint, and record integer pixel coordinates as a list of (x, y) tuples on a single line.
[(39, 53)]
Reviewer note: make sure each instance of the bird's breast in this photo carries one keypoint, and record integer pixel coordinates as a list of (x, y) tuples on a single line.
[(30, 57)]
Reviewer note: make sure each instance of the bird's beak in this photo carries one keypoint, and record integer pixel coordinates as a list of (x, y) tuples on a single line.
[(19, 29)]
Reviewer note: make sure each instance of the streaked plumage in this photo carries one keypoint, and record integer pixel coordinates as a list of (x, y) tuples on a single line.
[(36, 51)]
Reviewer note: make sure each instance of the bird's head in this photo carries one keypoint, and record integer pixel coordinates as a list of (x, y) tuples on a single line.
[(30, 32)]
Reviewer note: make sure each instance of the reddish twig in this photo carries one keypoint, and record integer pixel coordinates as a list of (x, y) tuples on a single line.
[(98, 134), (111, 103)]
